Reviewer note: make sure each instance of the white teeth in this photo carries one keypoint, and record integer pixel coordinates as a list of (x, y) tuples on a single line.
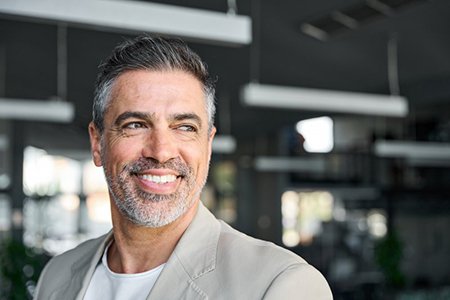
[(159, 179)]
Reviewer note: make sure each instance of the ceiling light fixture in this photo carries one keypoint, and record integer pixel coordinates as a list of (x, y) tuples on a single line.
[(4, 142), (290, 164), (36, 110), (138, 16), (224, 144), (273, 96), (412, 150)]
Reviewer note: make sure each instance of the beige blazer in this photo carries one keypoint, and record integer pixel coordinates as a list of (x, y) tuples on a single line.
[(211, 261)]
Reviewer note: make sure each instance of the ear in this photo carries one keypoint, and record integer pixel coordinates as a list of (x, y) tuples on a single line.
[(96, 145), (210, 139)]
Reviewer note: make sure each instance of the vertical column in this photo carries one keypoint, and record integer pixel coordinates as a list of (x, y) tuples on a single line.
[(17, 142), (246, 206)]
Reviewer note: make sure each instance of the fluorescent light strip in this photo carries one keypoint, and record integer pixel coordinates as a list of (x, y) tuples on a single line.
[(4, 142), (314, 31), (289, 164), (413, 150), (138, 16), (263, 95), (225, 144), (36, 110)]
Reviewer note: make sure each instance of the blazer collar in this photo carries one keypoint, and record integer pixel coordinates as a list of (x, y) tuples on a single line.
[(83, 269), (194, 256)]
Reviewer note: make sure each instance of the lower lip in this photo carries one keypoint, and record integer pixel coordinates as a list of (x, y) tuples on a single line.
[(158, 188)]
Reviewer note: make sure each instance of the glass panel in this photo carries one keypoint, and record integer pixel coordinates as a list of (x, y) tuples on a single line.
[(59, 213), (46, 175), (303, 214)]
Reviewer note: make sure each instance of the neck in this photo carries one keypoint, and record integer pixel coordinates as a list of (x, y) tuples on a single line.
[(137, 249)]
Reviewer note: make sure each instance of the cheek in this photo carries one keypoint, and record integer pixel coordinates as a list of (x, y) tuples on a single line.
[(196, 159), (117, 154)]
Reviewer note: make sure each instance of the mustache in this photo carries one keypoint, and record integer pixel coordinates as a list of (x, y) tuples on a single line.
[(143, 164)]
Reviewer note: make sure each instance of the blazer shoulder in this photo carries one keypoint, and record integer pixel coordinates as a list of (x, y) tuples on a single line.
[(299, 282), (84, 250), (267, 270), (234, 242), (60, 269)]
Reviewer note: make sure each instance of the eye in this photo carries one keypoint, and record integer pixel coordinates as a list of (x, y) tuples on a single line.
[(133, 125), (188, 128)]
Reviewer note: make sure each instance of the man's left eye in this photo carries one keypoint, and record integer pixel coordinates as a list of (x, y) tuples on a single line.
[(187, 128)]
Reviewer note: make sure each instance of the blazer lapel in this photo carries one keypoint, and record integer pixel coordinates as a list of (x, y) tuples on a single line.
[(84, 269), (194, 256)]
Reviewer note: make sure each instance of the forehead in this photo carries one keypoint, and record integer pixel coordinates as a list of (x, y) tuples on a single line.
[(157, 91)]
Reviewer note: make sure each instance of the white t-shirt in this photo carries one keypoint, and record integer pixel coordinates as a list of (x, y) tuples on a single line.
[(107, 285)]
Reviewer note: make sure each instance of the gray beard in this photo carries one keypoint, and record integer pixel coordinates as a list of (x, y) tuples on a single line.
[(148, 209)]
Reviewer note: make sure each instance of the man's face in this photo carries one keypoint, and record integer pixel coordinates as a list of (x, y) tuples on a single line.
[(155, 147)]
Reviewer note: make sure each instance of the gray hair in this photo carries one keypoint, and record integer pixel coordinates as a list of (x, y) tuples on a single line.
[(153, 54)]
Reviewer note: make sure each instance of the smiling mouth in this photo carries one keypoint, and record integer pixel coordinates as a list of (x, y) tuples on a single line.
[(158, 179)]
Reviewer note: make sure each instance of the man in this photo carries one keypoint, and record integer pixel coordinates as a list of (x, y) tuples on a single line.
[(152, 132)]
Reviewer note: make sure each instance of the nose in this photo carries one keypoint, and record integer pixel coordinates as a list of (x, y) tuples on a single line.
[(159, 146)]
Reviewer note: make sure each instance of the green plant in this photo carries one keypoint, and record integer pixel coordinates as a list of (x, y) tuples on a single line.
[(388, 255), (20, 267)]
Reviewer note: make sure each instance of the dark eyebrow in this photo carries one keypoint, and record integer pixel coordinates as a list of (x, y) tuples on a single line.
[(188, 116), (131, 115), (145, 116)]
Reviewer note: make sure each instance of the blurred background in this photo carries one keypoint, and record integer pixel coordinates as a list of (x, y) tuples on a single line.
[(333, 131)]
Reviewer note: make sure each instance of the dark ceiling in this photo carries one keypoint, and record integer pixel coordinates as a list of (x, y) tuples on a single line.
[(351, 60)]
